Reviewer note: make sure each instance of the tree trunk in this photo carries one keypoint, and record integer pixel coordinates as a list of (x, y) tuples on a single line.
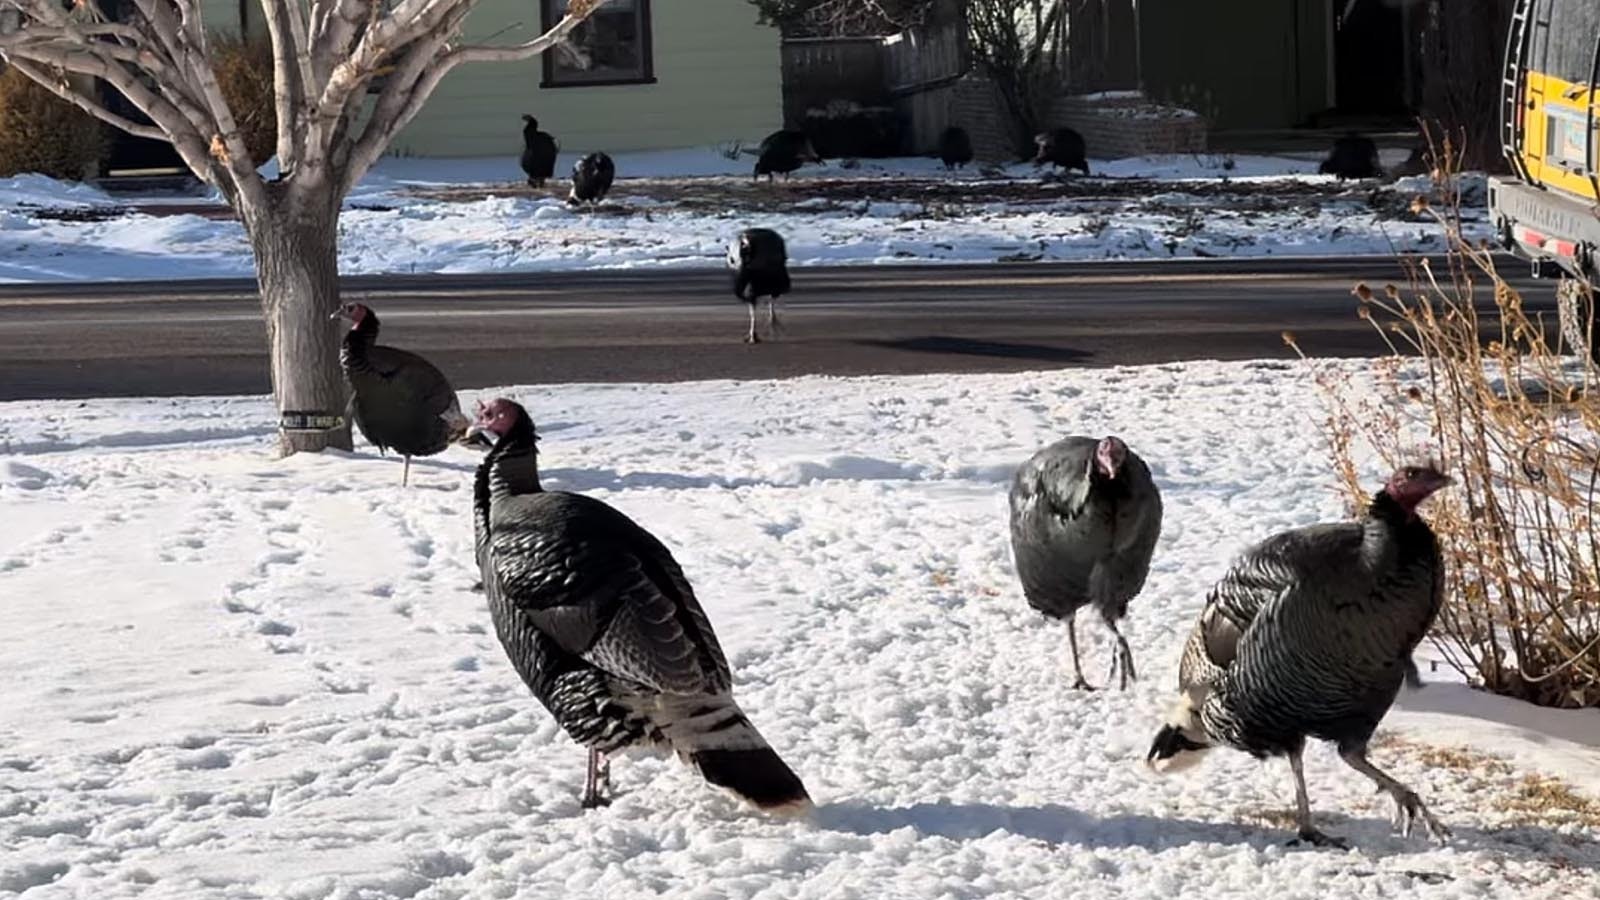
[(297, 270)]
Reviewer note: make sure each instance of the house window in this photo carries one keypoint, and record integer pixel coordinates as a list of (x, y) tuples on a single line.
[(612, 46)]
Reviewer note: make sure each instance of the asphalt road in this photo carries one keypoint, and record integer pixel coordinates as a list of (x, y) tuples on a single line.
[(206, 338)]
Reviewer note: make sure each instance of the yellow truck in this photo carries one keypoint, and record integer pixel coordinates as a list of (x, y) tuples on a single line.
[(1548, 209)]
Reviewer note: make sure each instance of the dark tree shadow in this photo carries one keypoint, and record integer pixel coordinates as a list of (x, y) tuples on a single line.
[(959, 346)]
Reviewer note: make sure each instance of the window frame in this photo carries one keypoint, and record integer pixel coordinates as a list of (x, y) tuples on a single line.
[(647, 56)]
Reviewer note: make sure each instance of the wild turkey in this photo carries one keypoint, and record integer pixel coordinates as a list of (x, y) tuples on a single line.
[(955, 147), (603, 627), (591, 178), (760, 265), (1352, 156), (538, 152), (1061, 147), (1085, 517), (1310, 634), (399, 401), (783, 152)]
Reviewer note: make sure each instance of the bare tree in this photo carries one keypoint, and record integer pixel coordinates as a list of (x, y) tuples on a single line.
[(844, 18), (326, 54), (1019, 45)]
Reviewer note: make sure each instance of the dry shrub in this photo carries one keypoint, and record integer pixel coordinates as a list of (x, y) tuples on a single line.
[(1516, 420), (244, 72), (40, 132)]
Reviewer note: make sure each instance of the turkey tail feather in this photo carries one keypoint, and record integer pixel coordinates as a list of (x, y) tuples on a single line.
[(714, 735), (758, 775)]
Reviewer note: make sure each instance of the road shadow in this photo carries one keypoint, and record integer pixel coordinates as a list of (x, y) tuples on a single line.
[(959, 346)]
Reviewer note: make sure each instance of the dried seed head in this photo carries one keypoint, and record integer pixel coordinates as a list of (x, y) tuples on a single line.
[(1362, 291), (1288, 338), (1419, 205)]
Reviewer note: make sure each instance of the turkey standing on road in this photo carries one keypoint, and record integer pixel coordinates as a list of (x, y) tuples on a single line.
[(1085, 516), (400, 401), (591, 178), (603, 627), (760, 264), (1310, 634), (538, 152)]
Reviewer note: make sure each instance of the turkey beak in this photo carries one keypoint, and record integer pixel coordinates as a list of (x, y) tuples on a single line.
[(479, 437)]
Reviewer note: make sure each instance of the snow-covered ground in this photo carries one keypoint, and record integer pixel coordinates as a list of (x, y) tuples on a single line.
[(228, 675), (680, 208)]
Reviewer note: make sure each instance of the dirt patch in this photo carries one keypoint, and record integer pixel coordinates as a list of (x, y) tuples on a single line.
[(723, 193), (1525, 799)]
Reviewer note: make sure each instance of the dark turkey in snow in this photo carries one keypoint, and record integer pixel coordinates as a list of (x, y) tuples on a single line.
[(602, 625), (1085, 516), (1310, 635), (399, 400)]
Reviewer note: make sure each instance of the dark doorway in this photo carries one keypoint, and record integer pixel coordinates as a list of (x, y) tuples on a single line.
[(128, 153), (1370, 56)]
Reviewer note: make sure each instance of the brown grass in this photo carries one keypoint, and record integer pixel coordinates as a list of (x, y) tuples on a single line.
[(40, 132), (1516, 421), (244, 72)]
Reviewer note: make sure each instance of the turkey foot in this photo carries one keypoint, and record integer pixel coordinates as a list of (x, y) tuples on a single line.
[(1407, 807)]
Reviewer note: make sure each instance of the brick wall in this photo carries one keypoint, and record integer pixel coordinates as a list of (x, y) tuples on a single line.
[(1112, 127), (1119, 127)]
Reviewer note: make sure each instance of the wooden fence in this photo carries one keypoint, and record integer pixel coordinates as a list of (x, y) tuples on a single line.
[(922, 66), (913, 72), (817, 71)]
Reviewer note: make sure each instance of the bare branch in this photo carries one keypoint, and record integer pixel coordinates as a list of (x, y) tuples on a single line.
[(288, 91), (578, 10), (388, 119), (61, 88)]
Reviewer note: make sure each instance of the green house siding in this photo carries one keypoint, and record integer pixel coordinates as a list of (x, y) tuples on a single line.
[(717, 79)]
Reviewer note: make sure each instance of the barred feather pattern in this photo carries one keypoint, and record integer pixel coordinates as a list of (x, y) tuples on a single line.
[(598, 619), (1310, 633)]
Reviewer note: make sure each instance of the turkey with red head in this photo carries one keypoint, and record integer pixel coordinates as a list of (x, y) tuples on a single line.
[(399, 401)]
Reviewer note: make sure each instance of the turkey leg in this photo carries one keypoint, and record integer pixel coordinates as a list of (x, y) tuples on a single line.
[(1122, 664), (772, 316), (405, 473), (597, 783), (751, 337), (1072, 641), (1408, 806), (1302, 809)]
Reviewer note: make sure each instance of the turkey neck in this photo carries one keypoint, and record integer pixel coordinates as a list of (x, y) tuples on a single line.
[(1392, 532), (512, 468), (357, 341)]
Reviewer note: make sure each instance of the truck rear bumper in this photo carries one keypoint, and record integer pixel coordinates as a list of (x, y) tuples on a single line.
[(1547, 227)]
